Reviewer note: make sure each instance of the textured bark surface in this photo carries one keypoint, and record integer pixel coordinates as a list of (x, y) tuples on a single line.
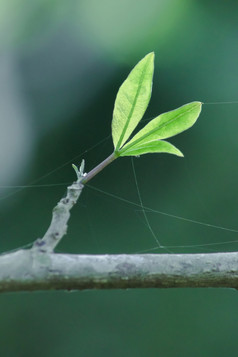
[(60, 217), (39, 268), (28, 270)]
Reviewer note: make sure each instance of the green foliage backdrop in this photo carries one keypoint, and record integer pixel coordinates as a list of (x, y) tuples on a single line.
[(61, 66)]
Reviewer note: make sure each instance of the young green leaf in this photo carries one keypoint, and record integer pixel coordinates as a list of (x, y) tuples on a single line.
[(132, 100), (156, 146), (164, 126)]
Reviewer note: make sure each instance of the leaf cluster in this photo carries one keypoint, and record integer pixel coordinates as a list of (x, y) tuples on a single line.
[(131, 103)]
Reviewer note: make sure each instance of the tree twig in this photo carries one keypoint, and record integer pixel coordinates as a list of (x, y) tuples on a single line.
[(99, 167), (61, 215), (39, 268), (29, 270)]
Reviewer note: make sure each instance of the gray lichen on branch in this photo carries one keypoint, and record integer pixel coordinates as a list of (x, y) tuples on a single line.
[(29, 270), (39, 268), (61, 215)]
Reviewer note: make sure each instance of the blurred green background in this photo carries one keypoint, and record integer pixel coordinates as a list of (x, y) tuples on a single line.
[(61, 64)]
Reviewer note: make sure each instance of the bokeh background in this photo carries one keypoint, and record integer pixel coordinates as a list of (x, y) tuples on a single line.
[(61, 64)]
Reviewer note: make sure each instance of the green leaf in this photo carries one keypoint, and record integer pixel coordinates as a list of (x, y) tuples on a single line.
[(132, 100), (156, 146), (165, 125)]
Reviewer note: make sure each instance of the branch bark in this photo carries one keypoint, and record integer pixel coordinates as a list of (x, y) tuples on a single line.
[(39, 268), (29, 270), (61, 214)]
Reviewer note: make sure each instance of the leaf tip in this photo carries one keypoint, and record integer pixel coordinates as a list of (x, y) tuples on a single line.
[(199, 104), (200, 107), (151, 55)]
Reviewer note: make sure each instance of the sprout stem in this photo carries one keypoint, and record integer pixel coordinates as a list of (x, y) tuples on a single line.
[(99, 168)]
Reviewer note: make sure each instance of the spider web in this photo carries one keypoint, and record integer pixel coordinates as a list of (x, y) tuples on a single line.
[(138, 206)]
